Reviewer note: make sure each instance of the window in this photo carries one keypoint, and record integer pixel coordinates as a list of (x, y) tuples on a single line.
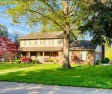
[(84, 55), (38, 42), (55, 41), (27, 42), (46, 42)]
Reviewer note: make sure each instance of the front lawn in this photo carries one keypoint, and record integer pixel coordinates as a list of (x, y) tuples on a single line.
[(84, 76)]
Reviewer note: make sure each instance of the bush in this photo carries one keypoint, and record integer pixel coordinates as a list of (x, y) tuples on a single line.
[(105, 60), (26, 60), (50, 59), (57, 60), (98, 62), (17, 62), (35, 61)]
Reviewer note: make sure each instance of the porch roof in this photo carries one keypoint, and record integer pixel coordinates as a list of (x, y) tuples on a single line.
[(23, 49), (41, 49)]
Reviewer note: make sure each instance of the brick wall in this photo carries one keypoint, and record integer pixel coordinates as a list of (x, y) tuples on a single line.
[(78, 58)]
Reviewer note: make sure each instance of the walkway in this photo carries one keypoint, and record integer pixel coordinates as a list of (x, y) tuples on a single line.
[(26, 88)]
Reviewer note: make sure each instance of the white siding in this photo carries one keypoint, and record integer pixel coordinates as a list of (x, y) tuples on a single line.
[(98, 48), (41, 43)]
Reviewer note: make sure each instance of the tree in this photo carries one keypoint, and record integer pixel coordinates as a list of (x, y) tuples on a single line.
[(15, 35), (8, 47), (100, 23), (60, 15), (3, 30)]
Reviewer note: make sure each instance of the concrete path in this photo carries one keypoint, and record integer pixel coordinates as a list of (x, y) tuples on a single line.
[(25, 88)]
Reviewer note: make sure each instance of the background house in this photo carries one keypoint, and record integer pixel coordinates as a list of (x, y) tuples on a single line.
[(48, 48)]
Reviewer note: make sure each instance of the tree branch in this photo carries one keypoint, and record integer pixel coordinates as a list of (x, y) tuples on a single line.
[(44, 1), (46, 18)]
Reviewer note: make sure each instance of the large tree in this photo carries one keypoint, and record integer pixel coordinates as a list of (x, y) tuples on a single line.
[(99, 25), (7, 46), (100, 22), (58, 15)]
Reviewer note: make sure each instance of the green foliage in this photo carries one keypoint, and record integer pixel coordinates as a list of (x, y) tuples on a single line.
[(35, 61), (17, 61), (105, 61), (51, 15), (3, 30), (108, 53), (98, 62), (50, 59), (100, 22)]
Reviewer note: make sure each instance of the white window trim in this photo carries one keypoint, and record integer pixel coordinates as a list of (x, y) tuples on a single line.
[(55, 42), (84, 55), (46, 42), (27, 42), (38, 42)]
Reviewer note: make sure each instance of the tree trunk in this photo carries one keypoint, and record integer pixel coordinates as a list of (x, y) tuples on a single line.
[(66, 63), (103, 51), (10, 57)]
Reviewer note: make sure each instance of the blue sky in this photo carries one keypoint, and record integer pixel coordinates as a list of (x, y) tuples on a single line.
[(21, 28), (11, 28), (8, 23)]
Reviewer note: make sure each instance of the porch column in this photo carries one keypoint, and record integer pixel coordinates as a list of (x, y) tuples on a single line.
[(28, 54), (43, 57)]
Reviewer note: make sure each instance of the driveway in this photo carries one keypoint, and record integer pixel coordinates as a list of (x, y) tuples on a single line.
[(26, 88)]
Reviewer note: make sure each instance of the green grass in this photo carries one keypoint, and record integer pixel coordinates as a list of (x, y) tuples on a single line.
[(53, 74)]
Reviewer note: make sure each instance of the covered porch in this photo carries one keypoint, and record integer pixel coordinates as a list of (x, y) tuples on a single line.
[(43, 57)]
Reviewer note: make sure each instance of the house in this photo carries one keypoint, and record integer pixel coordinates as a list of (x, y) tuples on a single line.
[(48, 48)]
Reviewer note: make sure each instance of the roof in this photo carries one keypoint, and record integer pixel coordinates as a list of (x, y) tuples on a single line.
[(82, 44), (41, 48), (42, 35), (74, 45)]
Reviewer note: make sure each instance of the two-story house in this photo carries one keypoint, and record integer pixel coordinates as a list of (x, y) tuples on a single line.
[(48, 47)]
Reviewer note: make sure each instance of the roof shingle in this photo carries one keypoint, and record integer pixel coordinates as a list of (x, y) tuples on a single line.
[(43, 35)]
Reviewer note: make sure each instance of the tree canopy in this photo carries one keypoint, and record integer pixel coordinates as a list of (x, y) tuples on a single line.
[(100, 22)]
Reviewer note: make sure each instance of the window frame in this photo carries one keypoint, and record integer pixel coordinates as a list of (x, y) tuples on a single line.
[(84, 55), (55, 41), (47, 42), (38, 42), (27, 42)]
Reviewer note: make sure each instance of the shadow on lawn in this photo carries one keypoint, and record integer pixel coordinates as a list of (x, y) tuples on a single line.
[(88, 76)]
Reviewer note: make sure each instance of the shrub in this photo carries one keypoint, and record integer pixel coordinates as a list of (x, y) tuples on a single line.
[(57, 60), (98, 62), (17, 62), (105, 60), (50, 59), (26, 60), (35, 61)]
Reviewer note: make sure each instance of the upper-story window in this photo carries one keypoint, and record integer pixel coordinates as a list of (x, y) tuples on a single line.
[(27, 42), (38, 42), (55, 41), (46, 42)]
